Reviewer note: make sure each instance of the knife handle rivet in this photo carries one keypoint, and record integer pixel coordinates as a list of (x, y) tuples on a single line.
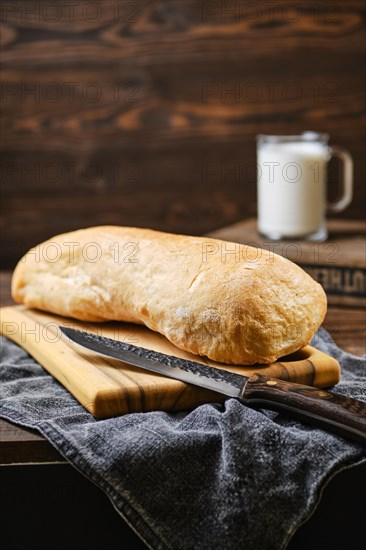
[(271, 383), (323, 394)]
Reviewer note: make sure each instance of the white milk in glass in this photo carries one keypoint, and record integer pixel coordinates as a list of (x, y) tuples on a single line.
[(292, 188)]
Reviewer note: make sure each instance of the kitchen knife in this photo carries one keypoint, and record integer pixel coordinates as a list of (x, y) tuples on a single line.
[(337, 413)]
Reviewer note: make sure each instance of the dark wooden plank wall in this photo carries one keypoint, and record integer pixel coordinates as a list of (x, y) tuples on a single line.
[(145, 112)]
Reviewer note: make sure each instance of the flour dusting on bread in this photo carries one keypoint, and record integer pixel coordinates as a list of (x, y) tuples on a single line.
[(250, 306)]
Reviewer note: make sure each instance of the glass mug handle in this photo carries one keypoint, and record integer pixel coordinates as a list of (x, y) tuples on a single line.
[(347, 183)]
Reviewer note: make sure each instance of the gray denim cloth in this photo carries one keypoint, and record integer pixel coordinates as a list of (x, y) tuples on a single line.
[(223, 476)]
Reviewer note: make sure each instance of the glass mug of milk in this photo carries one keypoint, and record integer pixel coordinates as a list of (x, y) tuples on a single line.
[(292, 185)]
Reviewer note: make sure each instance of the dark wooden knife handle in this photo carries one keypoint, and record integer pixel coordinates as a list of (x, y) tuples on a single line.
[(337, 413)]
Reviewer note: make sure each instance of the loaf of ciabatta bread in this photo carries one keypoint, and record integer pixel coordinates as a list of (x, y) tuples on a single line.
[(230, 302)]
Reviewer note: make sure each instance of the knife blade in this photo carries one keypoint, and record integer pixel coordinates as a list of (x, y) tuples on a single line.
[(340, 414)]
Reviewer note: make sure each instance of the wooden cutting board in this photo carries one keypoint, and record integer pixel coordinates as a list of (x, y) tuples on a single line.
[(107, 387)]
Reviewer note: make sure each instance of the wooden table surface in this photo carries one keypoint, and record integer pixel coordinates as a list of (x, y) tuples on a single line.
[(20, 445)]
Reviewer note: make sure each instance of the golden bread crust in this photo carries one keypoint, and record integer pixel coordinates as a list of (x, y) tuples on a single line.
[(233, 303)]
